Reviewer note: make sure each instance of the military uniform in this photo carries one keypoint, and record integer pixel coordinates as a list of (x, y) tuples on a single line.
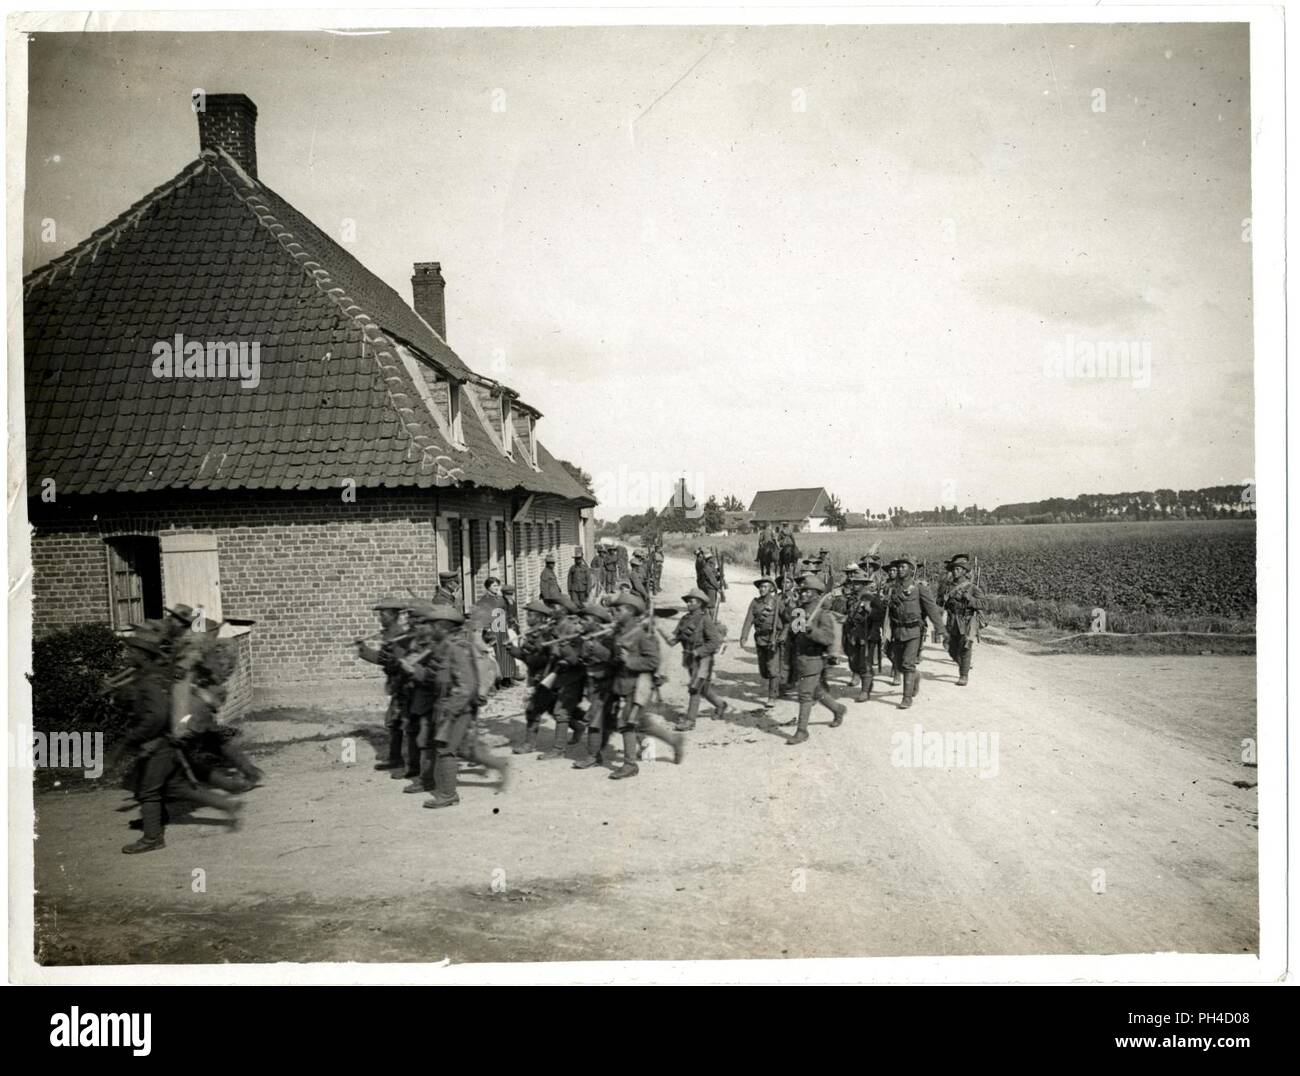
[(636, 650), (862, 620), (910, 605), (711, 584), (159, 772), (579, 580), (597, 656), (455, 722), (533, 651), (387, 654), (568, 680), (964, 603), (764, 617), (700, 637), (814, 633), (422, 665), (636, 576)]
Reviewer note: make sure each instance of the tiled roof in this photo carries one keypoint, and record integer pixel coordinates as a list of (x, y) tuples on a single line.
[(789, 504), (216, 256)]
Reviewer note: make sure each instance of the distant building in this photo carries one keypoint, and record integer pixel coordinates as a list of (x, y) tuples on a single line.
[(800, 509), (737, 522)]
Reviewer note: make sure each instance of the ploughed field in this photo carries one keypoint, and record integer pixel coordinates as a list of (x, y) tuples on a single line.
[(1192, 574)]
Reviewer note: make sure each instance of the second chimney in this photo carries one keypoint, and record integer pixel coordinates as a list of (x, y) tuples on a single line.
[(427, 287), (229, 121)]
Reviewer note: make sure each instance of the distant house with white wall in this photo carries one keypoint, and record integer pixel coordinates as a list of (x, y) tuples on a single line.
[(799, 509)]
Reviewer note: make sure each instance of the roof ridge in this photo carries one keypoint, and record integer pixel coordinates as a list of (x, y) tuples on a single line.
[(47, 273), (381, 347)]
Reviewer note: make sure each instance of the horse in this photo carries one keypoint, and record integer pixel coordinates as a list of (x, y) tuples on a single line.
[(768, 554), (789, 556)]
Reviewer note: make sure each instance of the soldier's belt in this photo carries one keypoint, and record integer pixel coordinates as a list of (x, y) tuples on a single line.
[(908, 623)]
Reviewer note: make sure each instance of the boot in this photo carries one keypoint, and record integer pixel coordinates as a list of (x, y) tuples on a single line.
[(577, 730), (412, 755), (916, 683), (594, 756), (692, 710), (963, 669), (529, 743), (839, 710), (720, 709), (394, 760), (629, 767), (801, 733), (144, 844), (865, 694), (907, 691), (656, 728), (561, 742), (445, 770)]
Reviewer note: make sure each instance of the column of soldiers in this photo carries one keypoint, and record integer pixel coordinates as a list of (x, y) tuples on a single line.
[(594, 664), (885, 610)]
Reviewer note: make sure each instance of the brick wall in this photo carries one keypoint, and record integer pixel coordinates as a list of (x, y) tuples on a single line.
[(305, 566)]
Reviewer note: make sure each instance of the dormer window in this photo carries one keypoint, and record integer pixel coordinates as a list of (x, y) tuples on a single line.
[(507, 426), (454, 419)]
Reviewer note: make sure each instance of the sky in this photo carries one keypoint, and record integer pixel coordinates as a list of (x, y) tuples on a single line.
[(874, 259)]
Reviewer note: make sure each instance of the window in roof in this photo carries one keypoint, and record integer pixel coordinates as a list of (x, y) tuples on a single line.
[(453, 404), (525, 435), (507, 426)]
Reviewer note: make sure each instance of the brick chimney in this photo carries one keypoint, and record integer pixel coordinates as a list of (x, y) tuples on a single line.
[(229, 121), (427, 288)]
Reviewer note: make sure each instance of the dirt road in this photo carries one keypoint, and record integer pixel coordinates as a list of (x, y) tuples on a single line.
[(1104, 816)]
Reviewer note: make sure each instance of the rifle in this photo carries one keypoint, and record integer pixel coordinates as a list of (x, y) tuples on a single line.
[(579, 635)]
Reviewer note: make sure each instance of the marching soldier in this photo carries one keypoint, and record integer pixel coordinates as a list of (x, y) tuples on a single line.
[(764, 616), (597, 656), (533, 651), (700, 637), (609, 570), (964, 602), (825, 570), (454, 728), (386, 654), (549, 586), (448, 583), (636, 576), (789, 597), (814, 632), (711, 583), (910, 605), (566, 677), (420, 667), (656, 565), (864, 611), (699, 567), (636, 649), (159, 772), (579, 579)]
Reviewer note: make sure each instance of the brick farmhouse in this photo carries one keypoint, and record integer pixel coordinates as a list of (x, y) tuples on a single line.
[(226, 409)]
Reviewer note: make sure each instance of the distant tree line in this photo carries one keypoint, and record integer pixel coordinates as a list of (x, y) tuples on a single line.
[(1213, 502)]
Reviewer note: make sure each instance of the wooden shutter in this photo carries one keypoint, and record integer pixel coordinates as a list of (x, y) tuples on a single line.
[(190, 573)]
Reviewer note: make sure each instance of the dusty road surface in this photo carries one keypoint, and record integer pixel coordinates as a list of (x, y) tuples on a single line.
[(1109, 812)]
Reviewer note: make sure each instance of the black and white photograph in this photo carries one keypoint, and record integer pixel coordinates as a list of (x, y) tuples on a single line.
[(646, 490)]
